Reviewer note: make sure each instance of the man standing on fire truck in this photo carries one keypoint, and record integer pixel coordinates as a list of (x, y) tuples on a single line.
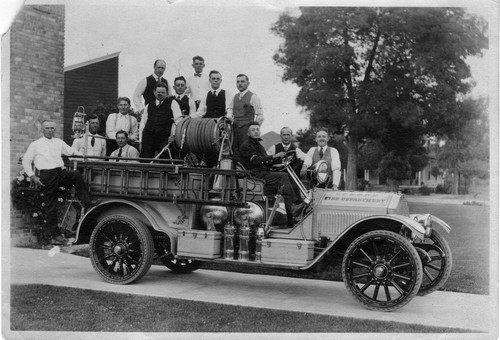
[(255, 158), (46, 154)]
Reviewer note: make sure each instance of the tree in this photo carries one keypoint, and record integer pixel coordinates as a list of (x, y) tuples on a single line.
[(466, 152), (366, 71)]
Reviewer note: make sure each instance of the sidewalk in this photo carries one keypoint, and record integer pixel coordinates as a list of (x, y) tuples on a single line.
[(440, 309)]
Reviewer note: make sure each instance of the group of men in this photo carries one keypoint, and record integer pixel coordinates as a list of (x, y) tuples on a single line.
[(199, 96)]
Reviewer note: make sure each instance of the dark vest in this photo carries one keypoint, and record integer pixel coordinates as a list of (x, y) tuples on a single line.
[(149, 95), (183, 104), (216, 105), (279, 147), (243, 112), (160, 119)]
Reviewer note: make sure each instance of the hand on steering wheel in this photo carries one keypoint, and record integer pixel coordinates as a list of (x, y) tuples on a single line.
[(289, 157)]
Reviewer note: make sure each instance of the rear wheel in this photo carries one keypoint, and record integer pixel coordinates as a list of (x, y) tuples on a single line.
[(121, 249), (435, 254), (382, 270)]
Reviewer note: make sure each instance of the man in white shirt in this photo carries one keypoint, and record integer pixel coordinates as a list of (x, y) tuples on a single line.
[(302, 161), (216, 101), (198, 85), (91, 144), (186, 103), (146, 86), (244, 109), (158, 122), (122, 121), (329, 154), (124, 149), (46, 154)]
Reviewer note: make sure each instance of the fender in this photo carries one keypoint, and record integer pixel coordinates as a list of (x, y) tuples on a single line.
[(161, 216), (417, 229), (436, 220)]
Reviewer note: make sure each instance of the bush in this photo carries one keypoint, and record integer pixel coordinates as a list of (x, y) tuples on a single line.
[(425, 190), (441, 189)]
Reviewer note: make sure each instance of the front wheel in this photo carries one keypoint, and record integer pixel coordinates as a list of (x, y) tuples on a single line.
[(121, 249), (382, 270), (435, 254)]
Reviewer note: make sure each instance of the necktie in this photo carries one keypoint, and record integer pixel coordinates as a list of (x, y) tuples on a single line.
[(215, 93), (92, 141), (286, 148), (179, 98), (120, 152), (197, 74), (321, 153), (159, 103)]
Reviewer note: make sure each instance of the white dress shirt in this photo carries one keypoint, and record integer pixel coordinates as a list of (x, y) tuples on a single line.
[(255, 102), (197, 87), (139, 90), (125, 122), (128, 151), (335, 163), (202, 110), (299, 153), (46, 154), (99, 148), (176, 110)]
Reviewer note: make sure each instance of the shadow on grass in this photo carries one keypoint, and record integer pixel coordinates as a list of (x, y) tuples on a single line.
[(50, 308)]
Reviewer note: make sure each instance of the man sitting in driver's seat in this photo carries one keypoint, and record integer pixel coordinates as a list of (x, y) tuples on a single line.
[(254, 158)]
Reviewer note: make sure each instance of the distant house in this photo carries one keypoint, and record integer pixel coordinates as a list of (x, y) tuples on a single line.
[(90, 84)]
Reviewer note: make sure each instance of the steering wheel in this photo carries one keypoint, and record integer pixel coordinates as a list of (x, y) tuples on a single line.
[(290, 156)]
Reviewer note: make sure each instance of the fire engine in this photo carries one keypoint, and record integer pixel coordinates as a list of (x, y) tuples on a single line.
[(183, 214)]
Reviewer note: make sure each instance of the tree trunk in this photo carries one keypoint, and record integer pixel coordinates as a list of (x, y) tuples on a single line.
[(352, 163)]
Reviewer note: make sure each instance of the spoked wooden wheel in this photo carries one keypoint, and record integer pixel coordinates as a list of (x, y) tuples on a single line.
[(435, 254), (121, 249), (382, 270)]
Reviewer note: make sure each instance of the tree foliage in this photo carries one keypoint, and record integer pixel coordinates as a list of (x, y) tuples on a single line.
[(373, 71)]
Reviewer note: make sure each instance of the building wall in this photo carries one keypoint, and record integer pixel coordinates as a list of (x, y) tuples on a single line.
[(92, 85), (36, 85)]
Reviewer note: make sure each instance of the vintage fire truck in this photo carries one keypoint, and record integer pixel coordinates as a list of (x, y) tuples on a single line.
[(182, 213)]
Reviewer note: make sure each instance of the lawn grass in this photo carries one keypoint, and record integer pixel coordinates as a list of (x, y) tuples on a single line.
[(50, 308)]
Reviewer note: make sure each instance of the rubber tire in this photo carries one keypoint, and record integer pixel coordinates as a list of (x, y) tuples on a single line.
[(410, 250), (141, 238), (444, 274)]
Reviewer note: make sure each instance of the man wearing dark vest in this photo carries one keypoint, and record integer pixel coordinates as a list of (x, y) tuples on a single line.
[(328, 154), (146, 86), (245, 108), (302, 161), (158, 122), (184, 100), (215, 102)]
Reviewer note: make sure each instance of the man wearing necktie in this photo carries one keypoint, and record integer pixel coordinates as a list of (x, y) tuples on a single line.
[(216, 100), (301, 162), (158, 122), (145, 88), (91, 144), (198, 84), (124, 149), (245, 108), (184, 100), (328, 154)]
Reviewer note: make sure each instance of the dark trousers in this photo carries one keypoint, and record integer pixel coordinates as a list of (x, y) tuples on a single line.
[(240, 136), (153, 142), (275, 180), (53, 179)]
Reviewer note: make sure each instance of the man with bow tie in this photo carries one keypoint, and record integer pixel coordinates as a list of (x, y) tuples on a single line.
[(157, 123), (328, 154), (146, 86), (91, 144), (197, 84), (186, 103), (245, 108), (215, 101), (302, 161)]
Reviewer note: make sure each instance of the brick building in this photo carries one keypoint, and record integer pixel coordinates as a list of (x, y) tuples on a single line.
[(33, 87)]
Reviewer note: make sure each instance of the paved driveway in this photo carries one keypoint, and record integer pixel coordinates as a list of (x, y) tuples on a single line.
[(442, 309)]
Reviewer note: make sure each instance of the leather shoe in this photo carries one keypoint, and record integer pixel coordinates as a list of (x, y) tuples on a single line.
[(297, 209), (59, 240)]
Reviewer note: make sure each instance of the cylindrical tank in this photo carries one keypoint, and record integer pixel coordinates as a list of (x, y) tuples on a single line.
[(218, 213), (253, 212)]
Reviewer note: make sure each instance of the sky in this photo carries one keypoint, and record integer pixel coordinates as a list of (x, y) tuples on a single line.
[(233, 36)]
